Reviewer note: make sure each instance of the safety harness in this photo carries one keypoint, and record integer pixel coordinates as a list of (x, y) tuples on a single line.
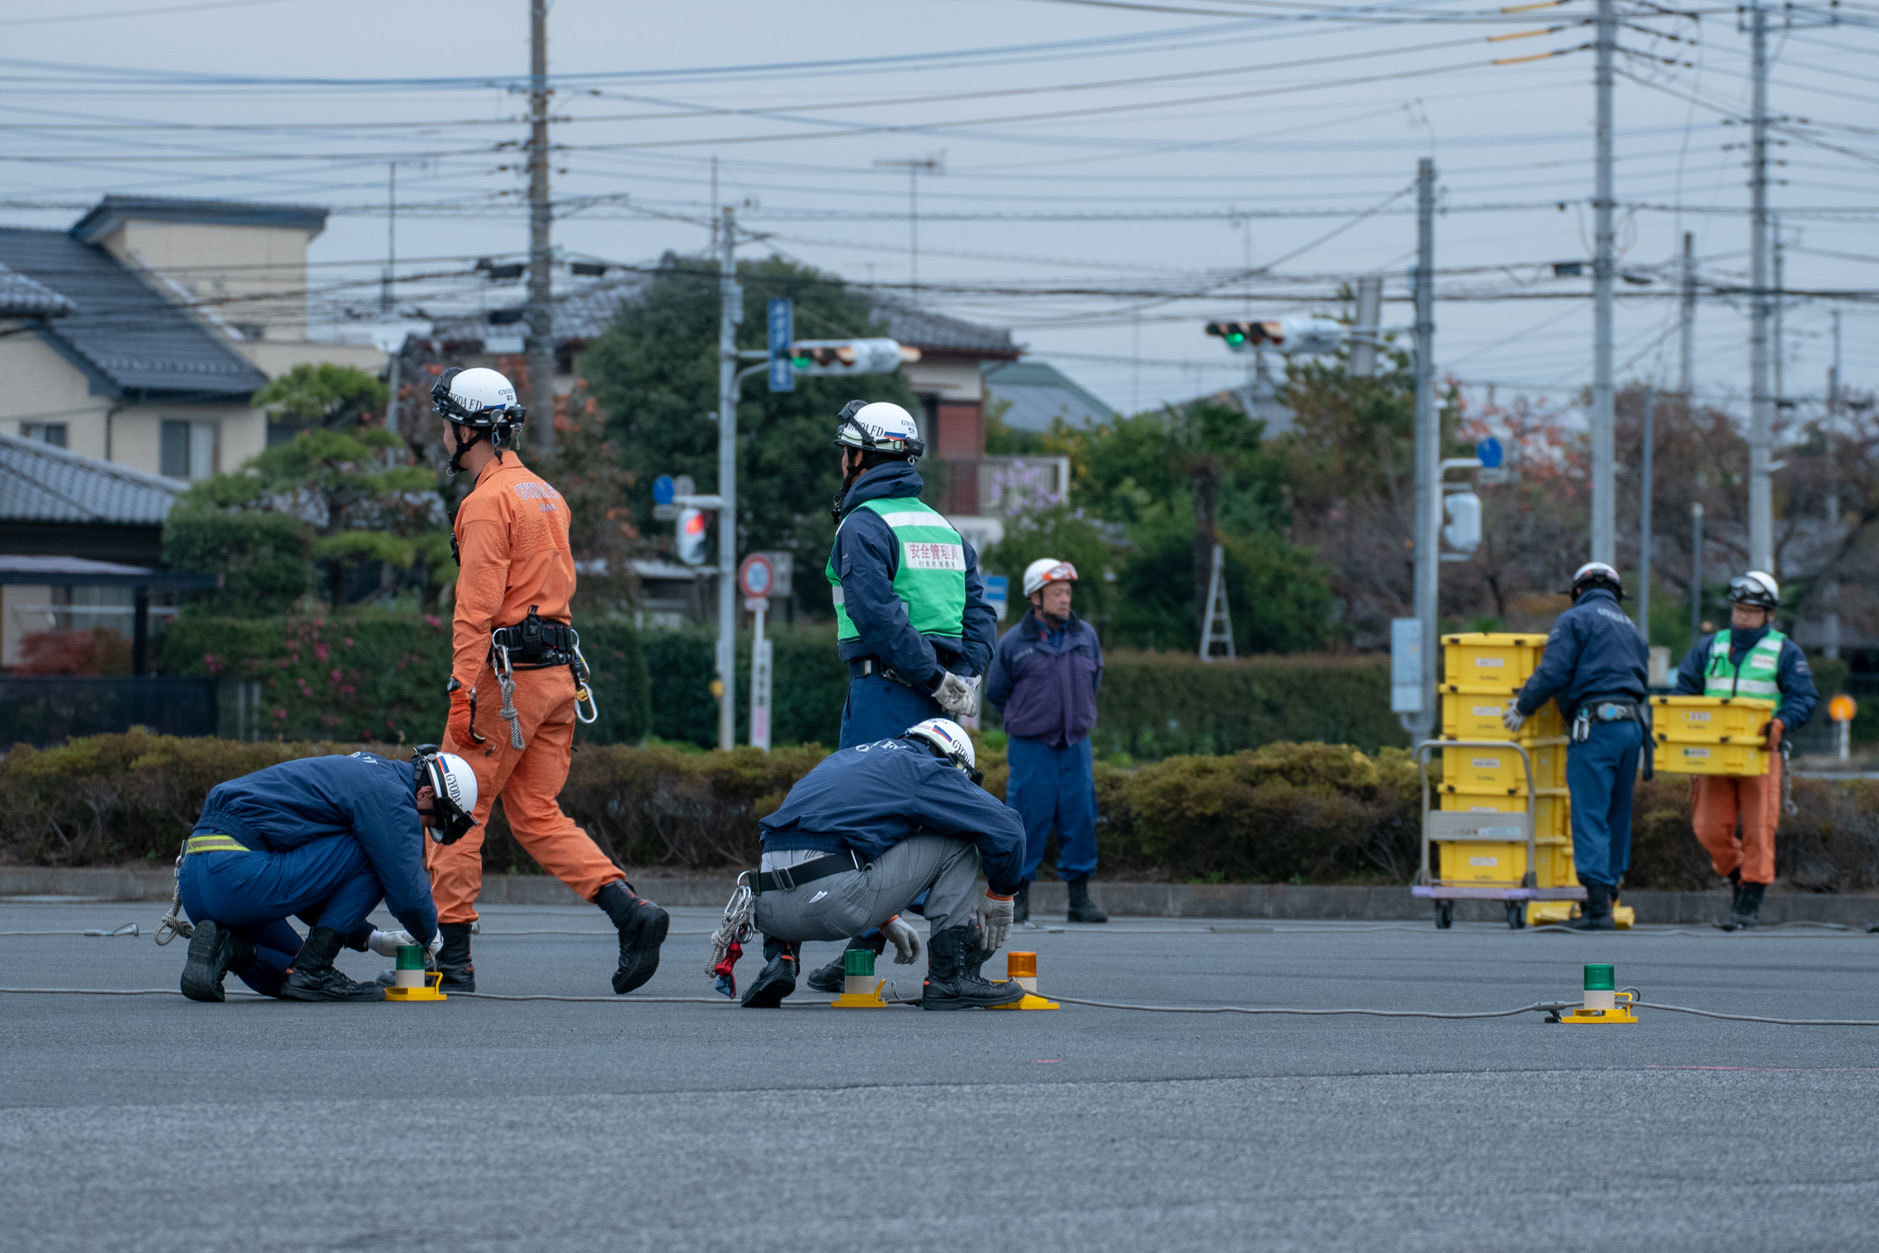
[(536, 644)]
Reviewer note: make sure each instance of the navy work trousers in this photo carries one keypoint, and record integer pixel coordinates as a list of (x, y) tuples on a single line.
[(327, 883), (881, 709), (1600, 774), (1054, 787)]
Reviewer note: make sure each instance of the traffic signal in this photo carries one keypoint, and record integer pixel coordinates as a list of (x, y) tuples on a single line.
[(1310, 335), (693, 524), (1463, 530), (849, 356)]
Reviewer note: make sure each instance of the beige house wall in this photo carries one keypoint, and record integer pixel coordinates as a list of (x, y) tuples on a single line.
[(43, 386), (947, 378), (274, 357), (245, 275)]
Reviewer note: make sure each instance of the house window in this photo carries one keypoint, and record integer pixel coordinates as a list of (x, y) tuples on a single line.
[(188, 450), (45, 432)]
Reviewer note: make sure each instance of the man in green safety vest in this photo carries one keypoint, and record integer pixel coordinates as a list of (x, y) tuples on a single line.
[(1748, 659), (912, 621)]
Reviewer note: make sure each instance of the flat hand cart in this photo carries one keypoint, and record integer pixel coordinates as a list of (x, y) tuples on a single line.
[(1447, 827)]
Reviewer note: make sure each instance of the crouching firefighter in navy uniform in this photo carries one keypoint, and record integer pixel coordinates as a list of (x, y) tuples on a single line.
[(1044, 680), (1598, 667), (868, 830), (912, 621), (326, 839)]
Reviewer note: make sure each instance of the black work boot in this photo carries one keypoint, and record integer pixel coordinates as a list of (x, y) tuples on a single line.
[(1597, 915), (642, 926), (776, 980), (453, 959), (953, 981), (313, 976), (1748, 903), (829, 978), (214, 951), (1735, 889), (1082, 908), (1021, 905)]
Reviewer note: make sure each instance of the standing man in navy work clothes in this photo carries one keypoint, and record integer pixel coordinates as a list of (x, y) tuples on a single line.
[(1044, 679), (912, 621), (1598, 667), (324, 838)]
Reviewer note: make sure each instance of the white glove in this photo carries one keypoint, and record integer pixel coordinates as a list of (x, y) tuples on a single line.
[(905, 940), (1513, 719), (995, 914), (957, 695), (387, 943), (436, 945)]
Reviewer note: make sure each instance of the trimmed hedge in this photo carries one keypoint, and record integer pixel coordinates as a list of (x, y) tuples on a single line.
[(1286, 812)]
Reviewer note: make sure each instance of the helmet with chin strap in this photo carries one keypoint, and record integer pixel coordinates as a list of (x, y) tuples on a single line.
[(880, 427), (481, 401), (453, 784), (1596, 574), (948, 739), (1756, 589)]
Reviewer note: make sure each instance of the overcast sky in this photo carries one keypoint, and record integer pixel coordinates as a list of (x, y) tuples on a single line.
[(1094, 156)]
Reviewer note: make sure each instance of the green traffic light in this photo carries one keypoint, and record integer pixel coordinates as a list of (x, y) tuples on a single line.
[(1236, 337)]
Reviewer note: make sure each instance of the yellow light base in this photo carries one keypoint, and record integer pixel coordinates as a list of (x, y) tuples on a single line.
[(1621, 1012), (431, 990), (861, 1000), (1031, 1001), (1556, 913)]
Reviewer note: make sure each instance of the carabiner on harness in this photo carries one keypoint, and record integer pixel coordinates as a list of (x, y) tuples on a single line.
[(583, 683), (505, 679), (173, 923)]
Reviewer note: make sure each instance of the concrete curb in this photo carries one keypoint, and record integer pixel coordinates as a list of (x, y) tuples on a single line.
[(1137, 900)]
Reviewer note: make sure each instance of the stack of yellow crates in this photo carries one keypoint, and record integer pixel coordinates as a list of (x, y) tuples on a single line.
[(1482, 673), (1709, 734)]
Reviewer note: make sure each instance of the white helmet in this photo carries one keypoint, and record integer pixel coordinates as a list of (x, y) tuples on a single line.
[(950, 740), (479, 400), (453, 783), (881, 426), (1047, 570), (1757, 588), (1596, 574)]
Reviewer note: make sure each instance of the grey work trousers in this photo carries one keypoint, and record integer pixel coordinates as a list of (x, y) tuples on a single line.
[(846, 904)]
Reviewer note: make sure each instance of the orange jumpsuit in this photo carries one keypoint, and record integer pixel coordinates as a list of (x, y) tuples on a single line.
[(512, 537), (1715, 800)]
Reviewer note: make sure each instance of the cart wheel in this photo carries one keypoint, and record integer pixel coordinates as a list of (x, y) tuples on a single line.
[(1444, 915), (1516, 914)]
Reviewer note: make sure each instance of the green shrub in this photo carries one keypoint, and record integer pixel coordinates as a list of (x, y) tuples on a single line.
[(264, 559), (1284, 813)]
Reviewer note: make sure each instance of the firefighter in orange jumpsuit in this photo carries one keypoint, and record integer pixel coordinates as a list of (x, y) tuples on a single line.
[(514, 677)]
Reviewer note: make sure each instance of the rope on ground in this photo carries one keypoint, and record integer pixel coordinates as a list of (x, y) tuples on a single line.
[(597, 1000), (1544, 1007), (1779, 1022)]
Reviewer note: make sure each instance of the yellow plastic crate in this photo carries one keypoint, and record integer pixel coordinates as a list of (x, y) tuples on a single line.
[(1473, 712), (1500, 769), (1748, 757), (1482, 862), (1708, 719), (1499, 660), (1552, 812)]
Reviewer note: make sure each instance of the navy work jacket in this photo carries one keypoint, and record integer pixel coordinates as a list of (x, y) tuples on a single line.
[(1793, 677), (1594, 650), (866, 556), (868, 798), (1044, 683), (364, 795)]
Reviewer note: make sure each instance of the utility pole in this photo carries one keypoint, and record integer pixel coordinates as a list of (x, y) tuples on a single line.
[(914, 166), (540, 354), (1830, 629), (1604, 510), (730, 313), (1761, 402), (1645, 493), (387, 305), (1686, 381), (1696, 571), (1365, 338), (1428, 447), (1780, 343)]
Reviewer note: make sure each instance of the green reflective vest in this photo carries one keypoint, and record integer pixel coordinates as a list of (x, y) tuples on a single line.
[(931, 577), (1754, 678)]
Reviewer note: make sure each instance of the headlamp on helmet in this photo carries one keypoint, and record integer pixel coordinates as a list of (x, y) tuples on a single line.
[(481, 401), (453, 787)]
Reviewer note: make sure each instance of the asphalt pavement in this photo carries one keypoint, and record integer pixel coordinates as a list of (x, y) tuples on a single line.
[(153, 1123)]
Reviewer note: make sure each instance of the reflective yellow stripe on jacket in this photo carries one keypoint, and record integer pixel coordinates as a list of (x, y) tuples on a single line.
[(214, 844)]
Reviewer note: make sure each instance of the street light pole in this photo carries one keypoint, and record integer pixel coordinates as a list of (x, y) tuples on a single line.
[(730, 307), (1604, 260)]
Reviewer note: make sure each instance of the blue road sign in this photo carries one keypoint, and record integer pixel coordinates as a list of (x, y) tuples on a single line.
[(998, 592), (662, 490), (782, 331), (1488, 451)]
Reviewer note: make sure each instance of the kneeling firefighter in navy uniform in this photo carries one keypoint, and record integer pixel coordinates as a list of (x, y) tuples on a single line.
[(325, 839), (867, 831), (1598, 666)]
